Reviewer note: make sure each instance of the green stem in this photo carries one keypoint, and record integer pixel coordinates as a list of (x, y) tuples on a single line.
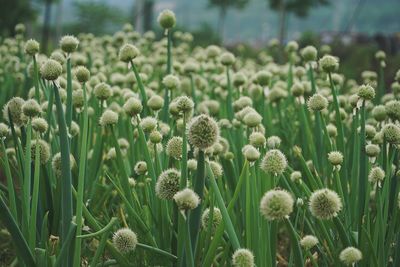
[(27, 181), (68, 114), (295, 244), (199, 189), (230, 97), (66, 181), (35, 197), (36, 79), (225, 215), (363, 172), (188, 245), (141, 88), (81, 180), (10, 182)]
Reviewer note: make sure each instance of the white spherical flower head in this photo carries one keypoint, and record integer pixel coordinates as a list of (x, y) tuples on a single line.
[(227, 59), (276, 205), (69, 43), (350, 255), (167, 19), (31, 47), (203, 132), (274, 142), (335, 158), (128, 52), (376, 175), (174, 147), (250, 153), (309, 53), (391, 133), (13, 110), (216, 218), (168, 184), (125, 240), (171, 81), (243, 258), (186, 199), (51, 70), (325, 204), (329, 63), (366, 92), (274, 162), (108, 118), (309, 241), (140, 168), (317, 102)]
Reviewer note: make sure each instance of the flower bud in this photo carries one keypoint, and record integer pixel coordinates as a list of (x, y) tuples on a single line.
[(171, 82), (376, 175), (391, 133), (13, 109), (128, 52), (69, 43), (186, 199), (31, 108), (174, 147), (168, 184), (51, 70), (133, 106), (167, 19), (148, 124), (82, 74), (31, 47), (329, 63), (40, 125), (335, 158), (309, 53), (227, 59), (250, 153), (44, 150), (203, 132), (108, 118), (155, 102), (317, 102), (366, 92), (263, 77), (216, 218), (140, 168), (102, 91)]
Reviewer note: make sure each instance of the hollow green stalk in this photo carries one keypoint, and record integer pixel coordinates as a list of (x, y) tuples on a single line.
[(35, 197), (81, 179), (66, 194)]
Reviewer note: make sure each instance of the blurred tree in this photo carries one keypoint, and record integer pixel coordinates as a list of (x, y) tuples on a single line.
[(299, 8), (95, 17), (204, 35), (46, 24), (148, 15), (223, 6), (13, 12)]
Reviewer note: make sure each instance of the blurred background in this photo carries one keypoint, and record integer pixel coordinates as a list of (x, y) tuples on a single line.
[(355, 29)]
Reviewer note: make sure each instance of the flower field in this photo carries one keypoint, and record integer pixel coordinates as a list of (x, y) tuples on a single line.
[(130, 150)]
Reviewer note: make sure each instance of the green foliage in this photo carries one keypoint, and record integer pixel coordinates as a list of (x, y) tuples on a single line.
[(14, 12), (95, 17), (300, 8)]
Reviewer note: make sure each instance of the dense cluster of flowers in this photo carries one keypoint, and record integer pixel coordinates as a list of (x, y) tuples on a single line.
[(198, 152)]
